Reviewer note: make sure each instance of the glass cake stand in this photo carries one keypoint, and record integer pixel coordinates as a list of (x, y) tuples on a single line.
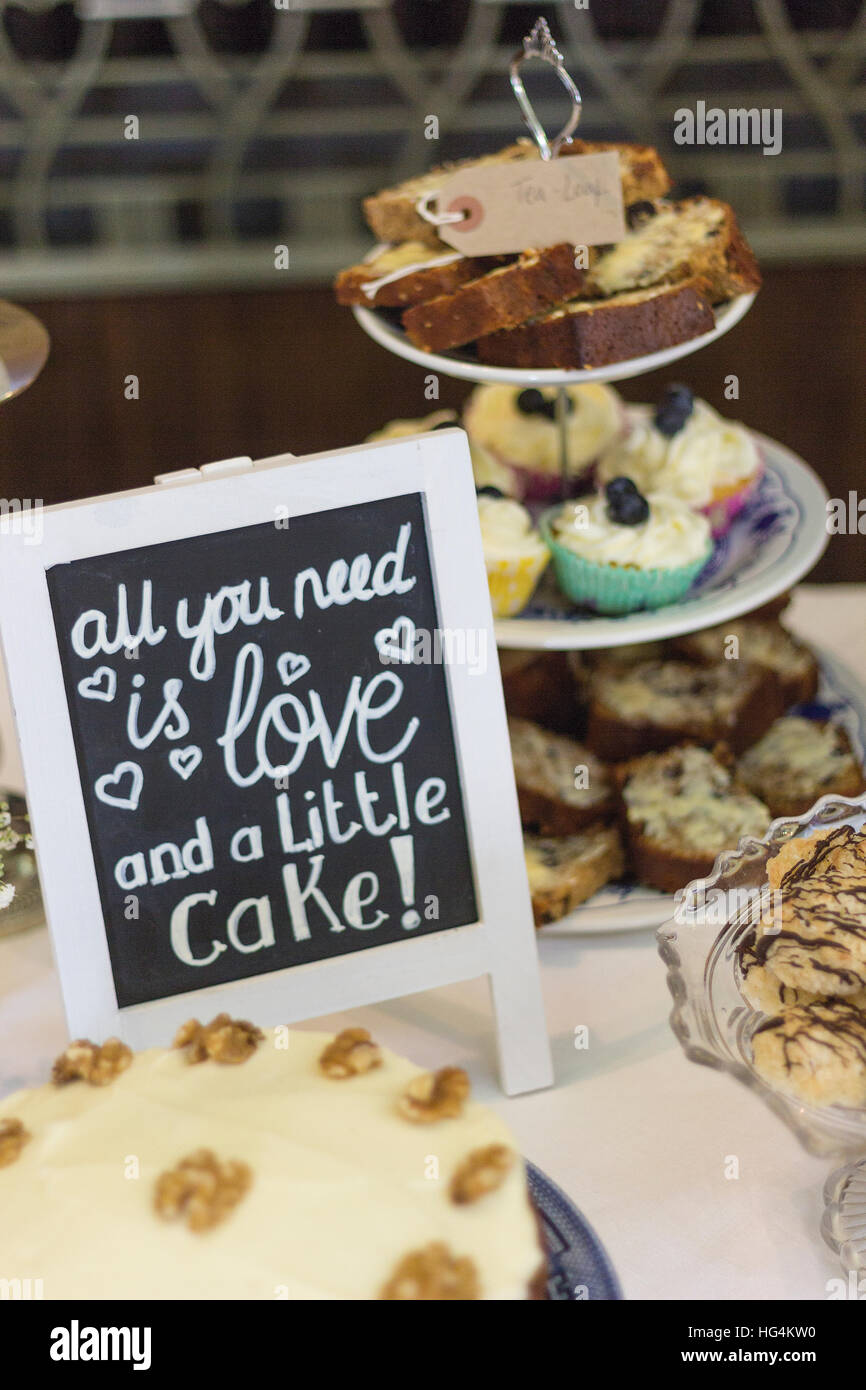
[(712, 1021), (24, 349), (843, 1224)]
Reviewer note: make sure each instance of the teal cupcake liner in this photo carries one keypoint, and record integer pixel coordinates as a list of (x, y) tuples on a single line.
[(611, 588)]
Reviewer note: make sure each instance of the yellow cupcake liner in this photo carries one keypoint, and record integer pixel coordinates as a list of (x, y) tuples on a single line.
[(512, 582)]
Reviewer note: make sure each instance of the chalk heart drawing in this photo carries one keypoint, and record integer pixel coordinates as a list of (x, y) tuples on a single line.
[(112, 786), (102, 685), (185, 760), (396, 643), (291, 666)]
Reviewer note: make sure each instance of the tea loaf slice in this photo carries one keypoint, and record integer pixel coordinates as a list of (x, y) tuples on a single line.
[(799, 760), (561, 786), (501, 299), (393, 214), (697, 238), (401, 276), (760, 643), (596, 332), (681, 809), (540, 686), (566, 870), (656, 704)]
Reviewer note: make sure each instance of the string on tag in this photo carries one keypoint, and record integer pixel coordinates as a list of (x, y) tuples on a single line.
[(436, 219)]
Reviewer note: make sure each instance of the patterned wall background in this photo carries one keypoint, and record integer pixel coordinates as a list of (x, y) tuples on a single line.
[(265, 122)]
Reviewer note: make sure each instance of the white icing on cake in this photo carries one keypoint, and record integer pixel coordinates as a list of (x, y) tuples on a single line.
[(341, 1187), (396, 262), (396, 429)]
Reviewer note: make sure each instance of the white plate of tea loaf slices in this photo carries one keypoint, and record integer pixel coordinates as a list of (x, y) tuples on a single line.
[(463, 365), (834, 706)]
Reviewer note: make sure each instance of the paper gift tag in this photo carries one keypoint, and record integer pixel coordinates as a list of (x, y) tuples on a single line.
[(534, 202)]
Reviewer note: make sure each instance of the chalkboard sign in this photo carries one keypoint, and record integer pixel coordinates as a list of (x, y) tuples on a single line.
[(265, 746), (269, 777)]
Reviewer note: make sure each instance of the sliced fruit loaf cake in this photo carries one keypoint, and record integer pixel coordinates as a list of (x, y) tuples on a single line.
[(408, 274), (565, 870), (594, 333), (693, 239), (799, 760), (758, 642), (392, 215), (681, 808), (501, 299), (656, 704), (561, 785)]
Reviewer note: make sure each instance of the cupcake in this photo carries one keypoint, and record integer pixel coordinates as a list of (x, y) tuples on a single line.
[(684, 449), (619, 551), (395, 429), (514, 437), (514, 553)]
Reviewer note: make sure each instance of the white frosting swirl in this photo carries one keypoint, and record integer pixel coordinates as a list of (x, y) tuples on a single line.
[(507, 532), (396, 429), (673, 534), (493, 422), (703, 461)]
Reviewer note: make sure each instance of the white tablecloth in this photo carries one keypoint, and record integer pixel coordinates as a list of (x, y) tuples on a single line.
[(641, 1139)]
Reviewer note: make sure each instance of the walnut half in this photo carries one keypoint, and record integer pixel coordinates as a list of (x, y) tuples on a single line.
[(13, 1137), (433, 1273), (86, 1061), (435, 1095), (352, 1053), (482, 1171), (201, 1189), (224, 1039)]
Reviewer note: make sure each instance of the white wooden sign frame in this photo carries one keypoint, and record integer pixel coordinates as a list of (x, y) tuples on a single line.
[(224, 497)]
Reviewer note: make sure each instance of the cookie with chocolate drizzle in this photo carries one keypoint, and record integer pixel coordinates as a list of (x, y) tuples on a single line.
[(815, 937), (815, 1051), (760, 986), (838, 850)]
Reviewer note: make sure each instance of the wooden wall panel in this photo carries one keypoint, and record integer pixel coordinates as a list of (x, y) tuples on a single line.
[(259, 373)]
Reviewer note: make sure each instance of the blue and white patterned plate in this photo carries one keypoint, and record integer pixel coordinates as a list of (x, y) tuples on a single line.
[(627, 906), (778, 536), (579, 1266)]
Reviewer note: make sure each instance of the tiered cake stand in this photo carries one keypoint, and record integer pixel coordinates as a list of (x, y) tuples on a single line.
[(775, 541)]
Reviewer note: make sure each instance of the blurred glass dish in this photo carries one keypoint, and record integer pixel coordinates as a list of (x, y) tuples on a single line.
[(699, 946), (843, 1225), (25, 910), (24, 348)]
